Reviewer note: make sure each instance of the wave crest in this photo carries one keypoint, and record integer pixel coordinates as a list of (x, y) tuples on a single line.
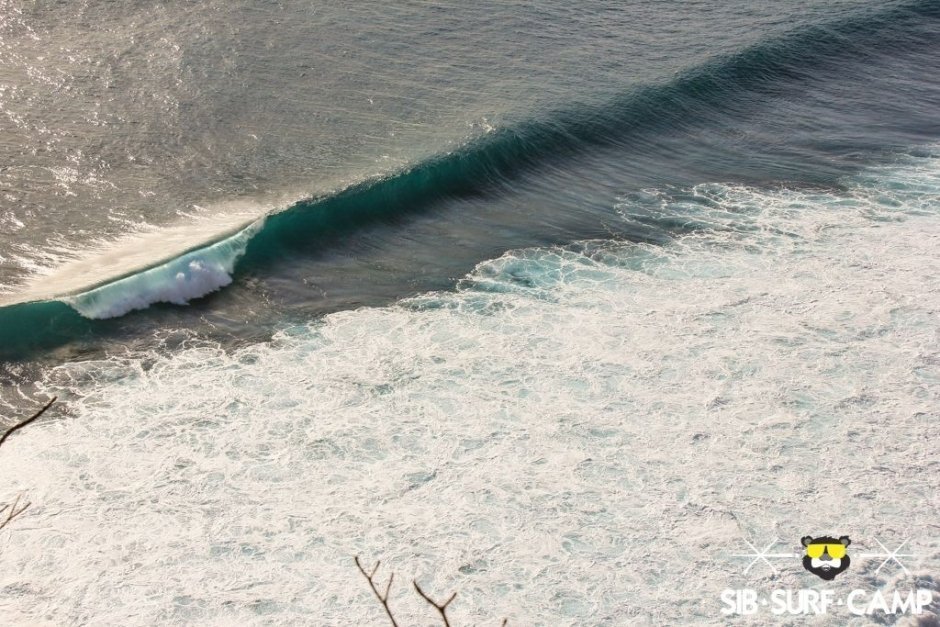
[(178, 281)]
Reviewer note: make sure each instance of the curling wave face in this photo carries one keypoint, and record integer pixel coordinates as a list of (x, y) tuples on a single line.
[(188, 276), (643, 128)]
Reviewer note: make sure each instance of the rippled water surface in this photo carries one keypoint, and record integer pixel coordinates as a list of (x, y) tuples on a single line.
[(554, 305)]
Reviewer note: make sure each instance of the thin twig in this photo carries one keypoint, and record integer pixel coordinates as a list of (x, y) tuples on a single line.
[(13, 511), (19, 426), (382, 600), (442, 608)]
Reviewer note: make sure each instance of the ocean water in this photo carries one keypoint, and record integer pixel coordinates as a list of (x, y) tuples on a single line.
[(553, 305)]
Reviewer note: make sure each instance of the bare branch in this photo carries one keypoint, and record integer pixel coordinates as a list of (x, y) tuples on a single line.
[(13, 511), (442, 608), (19, 426), (383, 600)]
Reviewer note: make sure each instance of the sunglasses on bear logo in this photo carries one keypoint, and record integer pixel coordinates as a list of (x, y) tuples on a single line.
[(835, 551)]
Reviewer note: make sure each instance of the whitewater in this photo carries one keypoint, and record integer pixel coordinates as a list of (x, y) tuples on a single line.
[(576, 435), (569, 308)]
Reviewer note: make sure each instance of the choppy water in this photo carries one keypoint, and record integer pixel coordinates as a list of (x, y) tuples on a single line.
[(551, 305)]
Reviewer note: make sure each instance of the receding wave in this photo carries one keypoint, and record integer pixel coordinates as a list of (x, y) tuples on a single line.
[(482, 166)]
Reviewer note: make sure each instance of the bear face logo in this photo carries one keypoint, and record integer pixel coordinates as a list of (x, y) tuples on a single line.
[(825, 556)]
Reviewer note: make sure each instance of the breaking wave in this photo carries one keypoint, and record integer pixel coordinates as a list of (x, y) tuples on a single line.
[(486, 165)]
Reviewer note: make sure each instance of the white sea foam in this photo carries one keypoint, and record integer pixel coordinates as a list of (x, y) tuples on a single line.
[(62, 272), (575, 436), (178, 281)]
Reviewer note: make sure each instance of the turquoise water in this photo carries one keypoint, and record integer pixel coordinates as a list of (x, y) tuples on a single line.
[(550, 305)]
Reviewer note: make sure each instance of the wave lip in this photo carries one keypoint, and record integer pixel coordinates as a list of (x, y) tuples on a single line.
[(106, 262), (188, 276)]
